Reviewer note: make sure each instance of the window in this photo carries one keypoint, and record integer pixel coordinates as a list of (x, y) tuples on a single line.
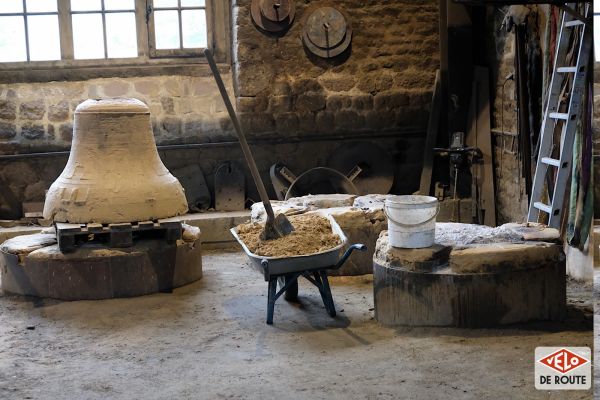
[(179, 27), (128, 32), (103, 29), (29, 30)]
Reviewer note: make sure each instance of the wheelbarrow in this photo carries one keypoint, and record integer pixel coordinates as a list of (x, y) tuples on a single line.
[(313, 267)]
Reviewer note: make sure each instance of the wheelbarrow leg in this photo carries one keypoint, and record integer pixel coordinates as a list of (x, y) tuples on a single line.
[(271, 300), (325, 290), (291, 294)]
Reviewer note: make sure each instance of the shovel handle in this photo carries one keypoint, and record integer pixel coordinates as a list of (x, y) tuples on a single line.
[(238, 128)]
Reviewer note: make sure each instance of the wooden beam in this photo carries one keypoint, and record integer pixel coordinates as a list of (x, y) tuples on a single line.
[(432, 132)]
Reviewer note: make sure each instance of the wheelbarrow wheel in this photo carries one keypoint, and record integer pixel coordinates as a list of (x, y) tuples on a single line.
[(291, 294)]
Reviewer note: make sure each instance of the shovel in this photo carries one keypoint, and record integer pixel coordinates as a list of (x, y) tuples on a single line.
[(275, 227)]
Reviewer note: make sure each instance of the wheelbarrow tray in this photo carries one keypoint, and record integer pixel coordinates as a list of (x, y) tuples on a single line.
[(290, 264)]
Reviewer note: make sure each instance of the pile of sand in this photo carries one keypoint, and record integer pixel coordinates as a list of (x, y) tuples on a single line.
[(312, 234)]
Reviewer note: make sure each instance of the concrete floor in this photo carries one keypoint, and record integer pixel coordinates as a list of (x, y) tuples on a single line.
[(209, 341)]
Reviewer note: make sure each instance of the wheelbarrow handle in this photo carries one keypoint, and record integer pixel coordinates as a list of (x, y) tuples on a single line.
[(356, 246)]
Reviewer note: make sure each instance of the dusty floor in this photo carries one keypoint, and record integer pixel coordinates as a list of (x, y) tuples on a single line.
[(209, 340)]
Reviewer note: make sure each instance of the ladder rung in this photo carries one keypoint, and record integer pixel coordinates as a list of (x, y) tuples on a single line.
[(575, 22), (555, 115), (551, 161), (566, 70), (543, 207)]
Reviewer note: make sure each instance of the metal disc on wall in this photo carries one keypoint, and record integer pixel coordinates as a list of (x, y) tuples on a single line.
[(327, 32), (273, 15)]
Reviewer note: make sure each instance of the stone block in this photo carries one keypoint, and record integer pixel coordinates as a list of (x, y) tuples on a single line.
[(168, 105), (50, 131), (32, 131), (32, 110), (147, 87), (116, 88), (286, 123), (378, 120), (482, 282), (349, 120), (58, 112), (280, 104), (338, 83), (338, 102), (310, 102), (251, 104), (193, 127), (215, 226), (375, 82), (362, 102), (503, 257), (90, 273), (66, 132), (254, 79), (172, 125), (391, 100), (306, 122), (305, 85), (281, 88), (258, 122), (8, 109), (423, 260), (360, 226), (324, 121), (7, 130), (173, 87), (319, 201)]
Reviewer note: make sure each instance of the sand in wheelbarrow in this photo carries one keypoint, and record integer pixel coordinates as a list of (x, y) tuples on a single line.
[(312, 234)]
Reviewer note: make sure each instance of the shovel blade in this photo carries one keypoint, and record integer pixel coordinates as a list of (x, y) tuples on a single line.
[(280, 227)]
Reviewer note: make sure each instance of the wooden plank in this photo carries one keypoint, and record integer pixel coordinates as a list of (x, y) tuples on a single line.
[(432, 133), (480, 135)]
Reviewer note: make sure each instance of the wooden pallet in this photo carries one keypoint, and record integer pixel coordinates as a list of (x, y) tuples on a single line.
[(70, 236)]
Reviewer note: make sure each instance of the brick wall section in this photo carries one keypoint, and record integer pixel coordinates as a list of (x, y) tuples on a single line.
[(183, 109), (385, 84)]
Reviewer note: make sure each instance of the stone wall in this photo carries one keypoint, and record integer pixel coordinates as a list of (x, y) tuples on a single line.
[(511, 194), (384, 83), (184, 109)]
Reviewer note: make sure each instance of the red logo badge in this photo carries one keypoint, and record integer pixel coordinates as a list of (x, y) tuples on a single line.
[(563, 361)]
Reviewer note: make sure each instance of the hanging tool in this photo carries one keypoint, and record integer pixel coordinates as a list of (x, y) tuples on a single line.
[(571, 27), (275, 227)]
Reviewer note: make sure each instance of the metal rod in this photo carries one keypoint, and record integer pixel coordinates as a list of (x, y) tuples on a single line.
[(242, 138)]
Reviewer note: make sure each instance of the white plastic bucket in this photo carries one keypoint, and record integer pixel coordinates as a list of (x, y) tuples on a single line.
[(411, 220)]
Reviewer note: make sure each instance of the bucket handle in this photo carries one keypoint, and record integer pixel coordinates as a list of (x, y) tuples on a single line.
[(410, 225)]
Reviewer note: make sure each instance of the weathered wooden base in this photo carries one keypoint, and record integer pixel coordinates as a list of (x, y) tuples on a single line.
[(447, 298), (94, 272)]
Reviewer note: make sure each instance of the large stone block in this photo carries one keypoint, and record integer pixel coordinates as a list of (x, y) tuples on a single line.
[(58, 112), (473, 276), (32, 110), (7, 130), (33, 265), (8, 109), (32, 131), (116, 88)]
